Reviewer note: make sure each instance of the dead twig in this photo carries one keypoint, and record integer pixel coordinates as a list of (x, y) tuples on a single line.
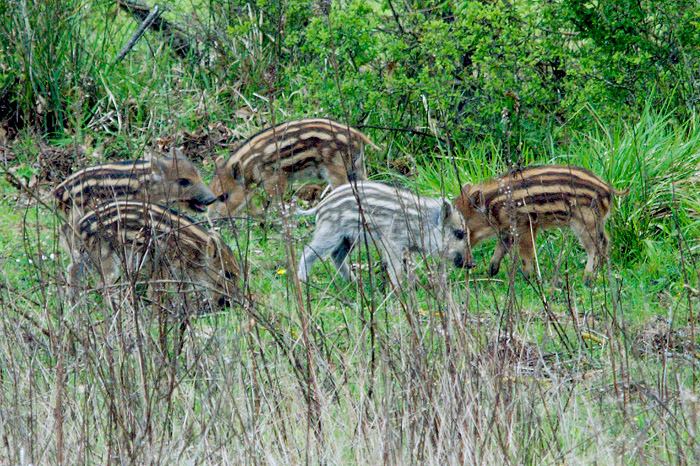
[(179, 41), (152, 16)]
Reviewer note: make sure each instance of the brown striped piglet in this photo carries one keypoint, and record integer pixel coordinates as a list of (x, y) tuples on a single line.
[(153, 245), (516, 206), (298, 150)]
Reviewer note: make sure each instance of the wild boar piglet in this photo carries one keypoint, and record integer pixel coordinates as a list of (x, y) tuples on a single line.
[(298, 150), (517, 205), (396, 222), (165, 181), (162, 181), (156, 245)]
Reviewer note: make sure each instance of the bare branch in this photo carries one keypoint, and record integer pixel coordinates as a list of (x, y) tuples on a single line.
[(152, 16)]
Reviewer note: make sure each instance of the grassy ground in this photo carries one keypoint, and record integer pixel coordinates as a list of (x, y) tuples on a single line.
[(461, 369)]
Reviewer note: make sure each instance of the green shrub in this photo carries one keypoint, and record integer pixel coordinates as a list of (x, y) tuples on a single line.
[(425, 74)]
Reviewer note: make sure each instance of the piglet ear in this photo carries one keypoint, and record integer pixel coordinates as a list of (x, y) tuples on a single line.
[(236, 171), (477, 199), (158, 168), (212, 247), (446, 209)]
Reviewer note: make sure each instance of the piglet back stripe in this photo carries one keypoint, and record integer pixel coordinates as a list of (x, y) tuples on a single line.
[(127, 173), (573, 174), (533, 181), (544, 194), (376, 199), (128, 168), (564, 172), (292, 136), (378, 192), (133, 216)]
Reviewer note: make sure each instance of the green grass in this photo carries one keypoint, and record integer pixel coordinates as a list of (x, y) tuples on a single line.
[(461, 369)]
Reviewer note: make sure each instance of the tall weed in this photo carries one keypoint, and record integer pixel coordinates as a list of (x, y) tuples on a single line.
[(659, 161)]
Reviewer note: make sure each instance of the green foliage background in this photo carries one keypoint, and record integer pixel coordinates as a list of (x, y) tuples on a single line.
[(453, 68), (614, 84)]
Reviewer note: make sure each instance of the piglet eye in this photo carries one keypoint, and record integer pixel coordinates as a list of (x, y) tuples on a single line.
[(183, 182), (459, 234), (222, 198)]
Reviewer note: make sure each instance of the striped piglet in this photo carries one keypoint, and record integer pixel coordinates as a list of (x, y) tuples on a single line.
[(397, 221), (159, 180), (298, 150), (153, 243), (517, 205), (163, 180)]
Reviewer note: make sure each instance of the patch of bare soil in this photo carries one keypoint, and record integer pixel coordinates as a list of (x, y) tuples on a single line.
[(515, 354), (517, 349)]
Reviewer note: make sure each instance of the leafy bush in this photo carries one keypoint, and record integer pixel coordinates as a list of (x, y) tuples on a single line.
[(458, 71), (540, 64), (627, 52)]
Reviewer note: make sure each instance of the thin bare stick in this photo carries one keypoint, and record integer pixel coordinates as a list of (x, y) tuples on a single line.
[(155, 13), (179, 40)]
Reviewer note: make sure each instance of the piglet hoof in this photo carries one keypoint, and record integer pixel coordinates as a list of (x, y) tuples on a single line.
[(351, 275), (493, 269)]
